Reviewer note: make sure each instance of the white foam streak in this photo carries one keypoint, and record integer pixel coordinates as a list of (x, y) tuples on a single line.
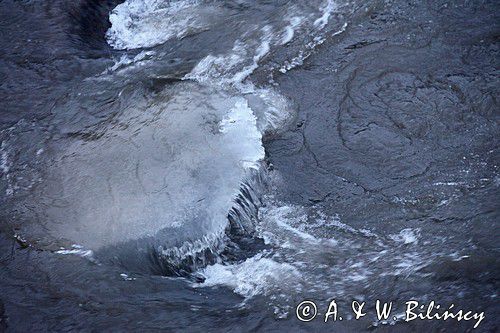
[(255, 276), (327, 10), (232, 68), (304, 54), (79, 251), (146, 23), (406, 236), (295, 22)]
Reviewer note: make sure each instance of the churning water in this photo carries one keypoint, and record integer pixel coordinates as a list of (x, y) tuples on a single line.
[(194, 163)]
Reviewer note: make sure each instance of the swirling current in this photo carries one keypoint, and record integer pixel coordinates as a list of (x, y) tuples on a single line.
[(200, 165)]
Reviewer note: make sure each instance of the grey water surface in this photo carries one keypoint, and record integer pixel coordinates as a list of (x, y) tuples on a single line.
[(193, 166)]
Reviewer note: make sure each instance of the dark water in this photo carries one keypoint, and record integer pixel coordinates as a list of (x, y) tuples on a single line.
[(208, 165)]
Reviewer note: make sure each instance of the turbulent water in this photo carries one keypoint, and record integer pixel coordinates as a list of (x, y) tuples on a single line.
[(192, 165)]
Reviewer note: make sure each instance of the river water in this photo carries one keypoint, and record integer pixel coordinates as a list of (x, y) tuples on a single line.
[(196, 165)]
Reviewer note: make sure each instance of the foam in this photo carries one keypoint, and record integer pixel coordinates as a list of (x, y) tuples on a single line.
[(146, 23), (299, 59), (232, 68), (255, 276), (77, 250), (326, 10), (406, 236), (294, 23)]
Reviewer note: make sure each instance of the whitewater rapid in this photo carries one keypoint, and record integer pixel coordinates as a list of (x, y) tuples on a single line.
[(170, 169), (162, 167)]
